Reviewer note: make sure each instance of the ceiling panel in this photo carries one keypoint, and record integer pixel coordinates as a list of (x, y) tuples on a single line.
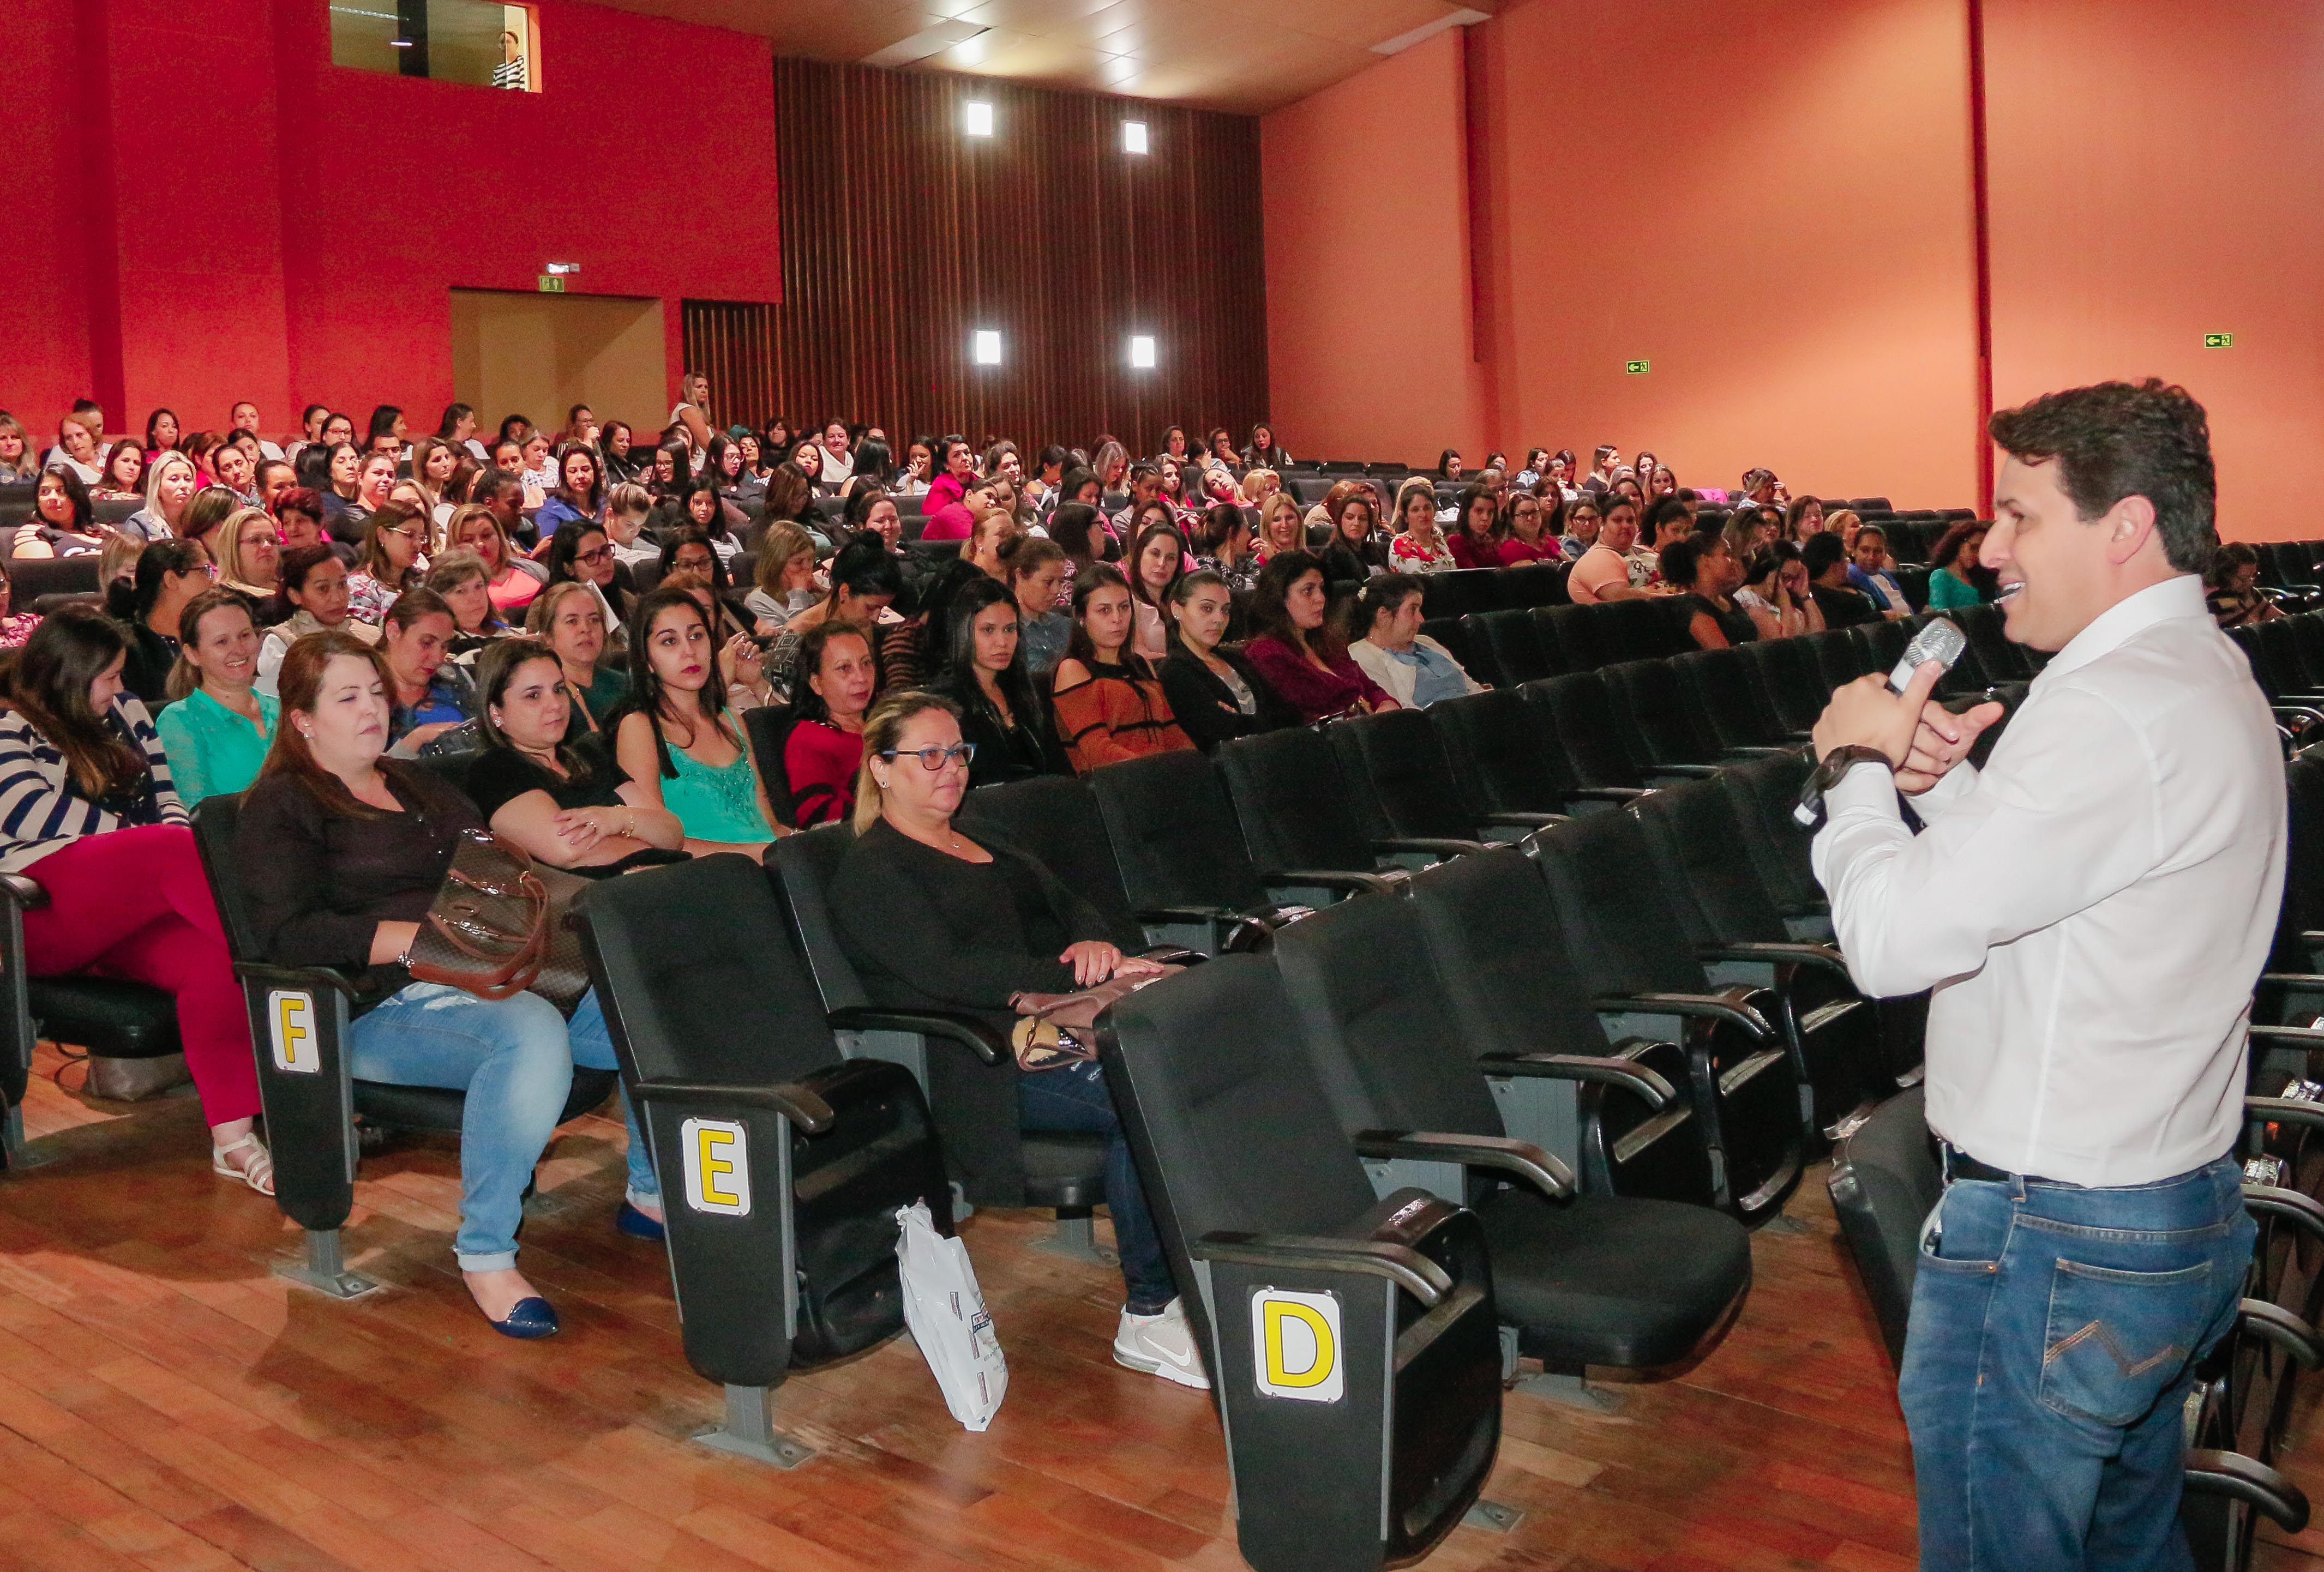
[(1243, 56)]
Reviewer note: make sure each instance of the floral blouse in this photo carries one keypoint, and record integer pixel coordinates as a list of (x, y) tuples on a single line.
[(1406, 555)]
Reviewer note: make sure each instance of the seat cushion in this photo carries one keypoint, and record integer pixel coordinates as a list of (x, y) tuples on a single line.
[(1602, 1280), (436, 1108), (1064, 1170), (112, 1019)]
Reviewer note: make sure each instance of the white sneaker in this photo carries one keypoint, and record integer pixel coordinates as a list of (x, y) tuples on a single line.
[(1161, 1344)]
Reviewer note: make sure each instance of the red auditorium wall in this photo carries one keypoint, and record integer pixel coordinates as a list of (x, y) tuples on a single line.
[(236, 217), (2154, 176), (1369, 331), (1793, 257)]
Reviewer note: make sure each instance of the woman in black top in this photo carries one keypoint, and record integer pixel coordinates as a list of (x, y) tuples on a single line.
[(932, 919), (1001, 714), (571, 807), (340, 852), (170, 574), (1217, 694), (1703, 570)]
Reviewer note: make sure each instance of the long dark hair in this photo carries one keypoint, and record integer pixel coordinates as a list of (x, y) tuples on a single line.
[(690, 536), (593, 501), (49, 686), (1136, 562), (154, 565), (84, 514), (565, 545), (290, 574), (1271, 608), (297, 684), (1080, 647), (807, 704), (452, 414), (645, 694), (959, 680), (497, 668), (1947, 550)]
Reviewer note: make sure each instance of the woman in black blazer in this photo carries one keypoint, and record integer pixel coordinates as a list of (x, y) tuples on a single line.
[(1216, 694)]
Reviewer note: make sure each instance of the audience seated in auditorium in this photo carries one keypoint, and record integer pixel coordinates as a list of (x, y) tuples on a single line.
[(16, 626), (310, 596), (866, 579), (1215, 691), (170, 483), (1957, 577), (835, 680), (18, 463), (582, 553), (1478, 533), (1003, 714), (170, 574), (1867, 575), (783, 579), (1038, 572), (1583, 519), (1225, 545), (1775, 592), (390, 561), (121, 477), (88, 812), (2231, 588), (1665, 521), (1701, 571), (676, 735), (1110, 704), (1803, 518), (511, 579), (64, 522), (1297, 649), (1608, 571), (458, 575), (1356, 547), (1825, 556), (218, 726), (1410, 667), (571, 621), (1282, 527), (340, 852), (1528, 526), (933, 919)]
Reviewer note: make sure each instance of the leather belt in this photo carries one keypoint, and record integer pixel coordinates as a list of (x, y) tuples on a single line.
[(1958, 1164)]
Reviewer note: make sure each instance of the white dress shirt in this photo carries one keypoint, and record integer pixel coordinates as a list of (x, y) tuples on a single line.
[(2092, 909)]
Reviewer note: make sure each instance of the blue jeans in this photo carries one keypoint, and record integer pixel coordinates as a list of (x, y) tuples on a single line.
[(1074, 1098), (2053, 1337), (514, 1058)]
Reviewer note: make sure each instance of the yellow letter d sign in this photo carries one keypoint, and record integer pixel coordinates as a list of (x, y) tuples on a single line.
[(717, 1166), (291, 1021), (1295, 1345)]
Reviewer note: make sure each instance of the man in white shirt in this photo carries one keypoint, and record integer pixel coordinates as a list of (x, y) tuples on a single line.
[(2091, 909)]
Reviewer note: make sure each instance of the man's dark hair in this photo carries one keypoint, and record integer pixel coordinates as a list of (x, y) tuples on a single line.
[(2120, 439), (1823, 549)]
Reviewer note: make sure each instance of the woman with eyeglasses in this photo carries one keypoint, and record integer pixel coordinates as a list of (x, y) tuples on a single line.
[(392, 561), (170, 574), (583, 553), (934, 920)]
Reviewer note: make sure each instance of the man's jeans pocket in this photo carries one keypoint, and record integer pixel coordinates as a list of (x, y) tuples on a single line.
[(2118, 1340)]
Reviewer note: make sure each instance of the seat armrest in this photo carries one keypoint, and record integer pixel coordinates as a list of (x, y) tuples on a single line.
[(1731, 1007), (1172, 955), (2295, 1207), (1158, 915), (1781, 953), (1527, 1161), (2207, 1472), (2312, 1037), (1605, 1070), (801, 1107), (23, 891), (969, 1032), (2274, 1324), (1604, 794), (2292, 979), (2284, 1109), (1354, 884), (305, 977), (1527, 820), (1428, 845), (1684, 771), (1401, 1264)]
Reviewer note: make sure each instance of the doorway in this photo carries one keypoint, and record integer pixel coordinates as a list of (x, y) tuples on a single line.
[(538, 355)]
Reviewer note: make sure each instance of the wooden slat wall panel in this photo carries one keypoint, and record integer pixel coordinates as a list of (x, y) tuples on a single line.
[(901, 236)]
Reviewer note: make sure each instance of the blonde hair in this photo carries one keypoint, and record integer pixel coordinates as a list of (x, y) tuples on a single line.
[(882, 727), (543, 610), (159, 467), (777, 547), (1275, 504), (116, 559), (1256, 478), (231, 530)]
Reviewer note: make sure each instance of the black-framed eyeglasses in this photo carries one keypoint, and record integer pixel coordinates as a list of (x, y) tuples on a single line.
[(935, 758), (594, 557)]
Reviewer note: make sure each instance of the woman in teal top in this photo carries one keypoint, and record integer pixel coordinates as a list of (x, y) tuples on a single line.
[(1956, 576), (572, 619), (218, 728), (676, 738)]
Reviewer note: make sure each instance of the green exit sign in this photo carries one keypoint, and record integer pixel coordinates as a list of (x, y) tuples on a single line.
[(2218, 341), (1636, 368), (552, 284)]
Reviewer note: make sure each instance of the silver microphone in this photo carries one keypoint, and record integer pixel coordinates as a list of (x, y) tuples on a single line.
[(1939, 639)]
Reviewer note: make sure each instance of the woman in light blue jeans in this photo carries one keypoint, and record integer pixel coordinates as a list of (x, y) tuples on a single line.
[(340, 853)]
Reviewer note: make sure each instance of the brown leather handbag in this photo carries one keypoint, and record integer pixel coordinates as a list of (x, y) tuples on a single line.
[(500, 926)]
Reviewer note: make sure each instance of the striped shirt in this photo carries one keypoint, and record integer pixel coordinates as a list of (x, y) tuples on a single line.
[(43, 809)]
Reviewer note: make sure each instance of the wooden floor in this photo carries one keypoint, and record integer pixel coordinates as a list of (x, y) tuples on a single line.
[(167, 1403)]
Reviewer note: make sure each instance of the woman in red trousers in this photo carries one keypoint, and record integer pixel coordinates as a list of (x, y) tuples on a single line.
[(87, 812)]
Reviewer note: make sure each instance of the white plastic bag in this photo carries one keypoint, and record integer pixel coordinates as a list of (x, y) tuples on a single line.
[(944, 1311)]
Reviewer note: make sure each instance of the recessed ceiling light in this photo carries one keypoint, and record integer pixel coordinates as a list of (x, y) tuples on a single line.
[(1133, 136), (986, 347), (978, 120), (1141, 351)]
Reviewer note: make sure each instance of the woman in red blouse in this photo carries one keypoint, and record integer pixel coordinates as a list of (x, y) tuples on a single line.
[(1295, 650), (836, 677)]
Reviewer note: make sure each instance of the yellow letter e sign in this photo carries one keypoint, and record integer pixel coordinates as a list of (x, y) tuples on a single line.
[(1295, 1344), (717, 1167)]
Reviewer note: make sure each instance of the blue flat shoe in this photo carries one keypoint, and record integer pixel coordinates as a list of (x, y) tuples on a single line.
[(533, 1317), (638, 1226)]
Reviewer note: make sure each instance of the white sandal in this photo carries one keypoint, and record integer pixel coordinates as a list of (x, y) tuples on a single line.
[(259, 1173)]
